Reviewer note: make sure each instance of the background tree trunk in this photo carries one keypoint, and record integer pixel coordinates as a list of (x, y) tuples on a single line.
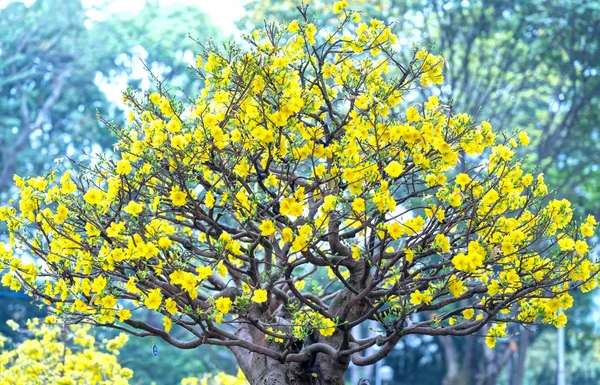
[(518, 372), (262, 370)]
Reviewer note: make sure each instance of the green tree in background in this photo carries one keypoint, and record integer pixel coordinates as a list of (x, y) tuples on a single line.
[(167, 38), (582, 351), (48, 62), (50, 56)]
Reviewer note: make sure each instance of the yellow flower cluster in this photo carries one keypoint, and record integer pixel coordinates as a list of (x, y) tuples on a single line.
[(306, 321), (47, 358)]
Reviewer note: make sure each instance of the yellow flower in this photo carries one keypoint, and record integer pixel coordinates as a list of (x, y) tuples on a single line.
[(289, 206), (123, 167), (320, 170), (497, 330), (178, 142), (490, 198), (329, 203), (355, 252), (154, 299), (171, 306), (293, 27), (432, 103), (412, 114), (204, 272), (566, 243), (242, 169), (109, 302), (209, 200), (358, 205), (490, 341), (581, 247), (164, 242), (456, 287), (561, 321), (395, 230), (311, 31), (417, 298), (178, 197), (209, 120), (133, 208), (93, 196), (124, 315), (79, 306), (586, 230), (327, 327), (115, 229), (527, 179), (62, 213), (394, 169), (223, 305), (99, 284), (462, 180), (442, 242), (155, 98), (441, 179), (523, 138), (287, 235), (468, 313), (221, 269), (339, 6), (167, 323), (266, 228), (259, 296)]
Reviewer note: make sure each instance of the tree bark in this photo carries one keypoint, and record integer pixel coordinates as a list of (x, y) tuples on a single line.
[(260, 369), (458, 371), (518, 373), (451, 361), (318, 368)]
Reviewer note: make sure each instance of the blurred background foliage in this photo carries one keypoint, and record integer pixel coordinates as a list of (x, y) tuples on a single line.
[(530, 64)]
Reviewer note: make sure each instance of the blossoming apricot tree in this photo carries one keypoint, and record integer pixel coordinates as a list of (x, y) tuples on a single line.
[(302, 157)]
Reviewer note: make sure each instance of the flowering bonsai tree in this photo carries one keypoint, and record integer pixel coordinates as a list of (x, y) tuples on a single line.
[(305, 191)]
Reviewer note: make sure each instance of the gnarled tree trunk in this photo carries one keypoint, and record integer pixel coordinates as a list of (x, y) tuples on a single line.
[(262, 370)]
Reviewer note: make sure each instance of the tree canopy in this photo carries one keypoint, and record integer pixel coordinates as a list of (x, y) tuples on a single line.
[(305, 191), (51, 54)]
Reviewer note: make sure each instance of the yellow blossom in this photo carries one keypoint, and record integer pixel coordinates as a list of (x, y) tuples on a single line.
[(133, 208), (267, 227), (178, 197), (259, 296), (223, 305), (154, 299)]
